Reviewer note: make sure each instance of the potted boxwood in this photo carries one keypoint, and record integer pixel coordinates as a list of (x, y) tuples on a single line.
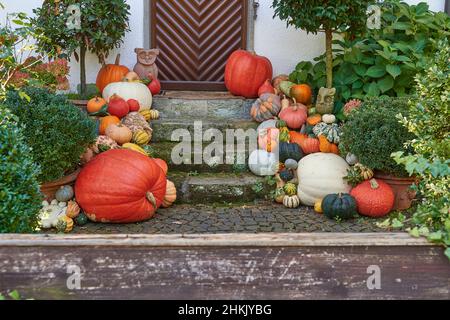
[(372, 133), (56, 130)]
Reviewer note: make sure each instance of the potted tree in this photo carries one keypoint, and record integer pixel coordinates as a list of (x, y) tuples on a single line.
[(76, 27), (56, 130), (328, 17), (372, 133)]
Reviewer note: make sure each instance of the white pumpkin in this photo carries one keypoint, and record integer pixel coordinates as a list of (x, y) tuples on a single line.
[(263, 163), (319, 175), (130, 90)]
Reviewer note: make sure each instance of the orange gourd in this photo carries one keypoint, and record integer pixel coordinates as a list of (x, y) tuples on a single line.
[(334, 149), (324, 144), (111, 73), (313, 120), (119, 133), (296, 137), (302, 93), (105, 122), (95, 104)]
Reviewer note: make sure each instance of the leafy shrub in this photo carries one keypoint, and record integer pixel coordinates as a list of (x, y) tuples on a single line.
[(429, 121), (57, 131), (373, 133), (381, 62), (20, 197)]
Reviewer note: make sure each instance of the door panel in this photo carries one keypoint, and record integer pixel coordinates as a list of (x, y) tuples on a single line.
[(195, 38)]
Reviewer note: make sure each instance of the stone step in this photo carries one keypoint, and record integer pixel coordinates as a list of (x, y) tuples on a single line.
[(163, 150), (163, 128), (197, 106), (219, 188)]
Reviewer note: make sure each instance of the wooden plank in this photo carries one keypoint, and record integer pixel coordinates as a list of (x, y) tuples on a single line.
[(213, 240), (222, 272)]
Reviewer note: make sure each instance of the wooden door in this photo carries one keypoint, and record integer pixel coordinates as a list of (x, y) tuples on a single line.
[(195, 38)]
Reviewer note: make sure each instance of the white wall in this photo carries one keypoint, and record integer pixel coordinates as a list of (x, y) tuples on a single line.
[(284, 47)]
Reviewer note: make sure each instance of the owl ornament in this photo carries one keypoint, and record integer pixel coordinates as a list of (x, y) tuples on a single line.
[(146, 62)]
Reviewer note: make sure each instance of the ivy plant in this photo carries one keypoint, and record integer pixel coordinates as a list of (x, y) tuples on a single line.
[(324, 16), (90, 25), (429, 120), (381, 62)]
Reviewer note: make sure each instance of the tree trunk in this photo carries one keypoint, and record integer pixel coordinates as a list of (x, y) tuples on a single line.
[(83, 88), (329, 58)]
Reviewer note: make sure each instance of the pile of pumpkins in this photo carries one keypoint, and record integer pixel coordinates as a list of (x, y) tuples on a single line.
[(299, 145)]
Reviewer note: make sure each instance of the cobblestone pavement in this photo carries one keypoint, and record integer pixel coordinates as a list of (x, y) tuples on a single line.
[(263, 217)]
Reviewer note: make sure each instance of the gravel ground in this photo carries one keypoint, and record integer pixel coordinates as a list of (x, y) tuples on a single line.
[(263, 217)]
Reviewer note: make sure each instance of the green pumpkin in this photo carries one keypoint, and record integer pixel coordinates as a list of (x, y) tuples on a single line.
[(64, 194), (290, 151), (342, 206), (81, 219), (290, 189), (281, 124)]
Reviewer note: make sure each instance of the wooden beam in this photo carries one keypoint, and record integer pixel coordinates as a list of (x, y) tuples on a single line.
[(214, 240)]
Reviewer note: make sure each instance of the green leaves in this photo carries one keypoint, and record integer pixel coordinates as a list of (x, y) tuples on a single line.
[(376, 71), (393, 70)]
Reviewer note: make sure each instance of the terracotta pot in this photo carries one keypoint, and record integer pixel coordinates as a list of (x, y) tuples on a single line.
[(49, 189), (402, 189), (80, 103)]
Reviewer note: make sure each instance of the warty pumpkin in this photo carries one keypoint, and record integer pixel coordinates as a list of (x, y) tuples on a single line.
[(171, 194), (120, 186), (245, 72), (266, 107), (374, 198), (110, 73)]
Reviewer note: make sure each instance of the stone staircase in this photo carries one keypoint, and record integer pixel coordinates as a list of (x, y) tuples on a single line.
[(205, 183)]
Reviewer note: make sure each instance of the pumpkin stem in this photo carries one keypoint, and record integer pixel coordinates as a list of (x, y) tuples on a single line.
[(151, 198), (374, 184), (117, 62)]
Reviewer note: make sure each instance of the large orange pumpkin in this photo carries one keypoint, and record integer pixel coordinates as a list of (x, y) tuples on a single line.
[(105, 122), (245, 72), (111, 73), (120, 186)]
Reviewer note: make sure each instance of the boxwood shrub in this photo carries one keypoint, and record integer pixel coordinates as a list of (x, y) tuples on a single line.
[(20, 197), (373, 132), (56, 130)]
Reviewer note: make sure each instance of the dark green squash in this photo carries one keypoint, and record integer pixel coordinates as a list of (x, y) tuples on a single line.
[(286, 175), (81, 219), (290, 151), (342, 206)]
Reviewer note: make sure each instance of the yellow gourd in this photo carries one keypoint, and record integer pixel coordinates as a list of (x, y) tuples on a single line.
[(134, 147), (141, 137), (318, 206)]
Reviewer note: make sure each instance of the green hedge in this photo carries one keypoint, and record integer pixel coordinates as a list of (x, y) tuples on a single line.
[(20, 198)]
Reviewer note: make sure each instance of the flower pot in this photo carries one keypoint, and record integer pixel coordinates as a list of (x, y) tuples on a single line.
[(49, 189), (402, 189), (80, 103)]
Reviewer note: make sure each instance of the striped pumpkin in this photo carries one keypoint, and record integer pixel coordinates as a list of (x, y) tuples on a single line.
[(266, 107), (291, 201), (141, 137), (150, 114)]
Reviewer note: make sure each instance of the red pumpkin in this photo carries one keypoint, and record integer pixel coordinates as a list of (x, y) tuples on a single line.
[(162, 164), (111, 73), (120, 186), (133, 105), (374, 198), (245, 72), (268, 139), (118, 107), (154, 85), (266, 88), (295, 115), (302, 93), (310, 145)]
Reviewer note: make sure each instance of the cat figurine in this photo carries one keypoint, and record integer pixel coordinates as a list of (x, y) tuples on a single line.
[(146, 62)]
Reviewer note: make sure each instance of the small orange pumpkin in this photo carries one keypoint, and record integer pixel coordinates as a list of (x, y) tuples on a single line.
[(171, 194), (314, 119), (302, 93), (310, 145), (95, 104), (105, 122), (296, 137), (119, 133)]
